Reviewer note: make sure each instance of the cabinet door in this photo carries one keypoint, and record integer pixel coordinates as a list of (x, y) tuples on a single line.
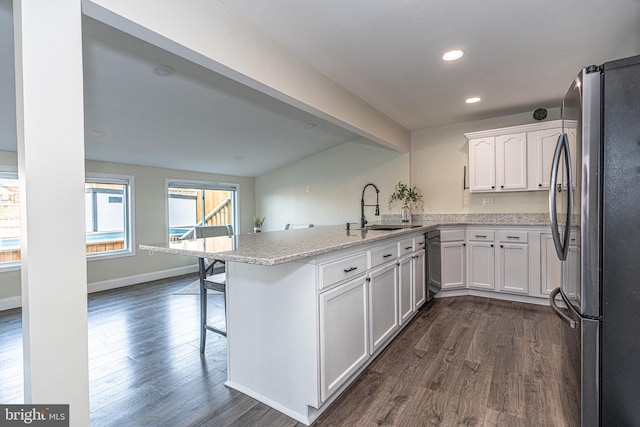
[(419, 280), (545, 142), (550, 265), (453, 265), (482, 265), (343, 334), (511, 162), (513, 275), (383, 305), (404, 282), (482, 167)]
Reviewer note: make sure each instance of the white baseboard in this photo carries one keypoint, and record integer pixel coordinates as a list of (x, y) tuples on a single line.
[(495, 295), (139, 278), (15, 302), (11, 302)]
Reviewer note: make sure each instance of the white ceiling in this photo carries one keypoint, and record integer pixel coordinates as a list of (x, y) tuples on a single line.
[(518, 56)]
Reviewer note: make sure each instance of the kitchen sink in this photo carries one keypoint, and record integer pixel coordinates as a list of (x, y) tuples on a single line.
[(389, 227)]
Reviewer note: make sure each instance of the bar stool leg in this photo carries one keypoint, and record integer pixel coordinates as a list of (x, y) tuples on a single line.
[(203, 305)]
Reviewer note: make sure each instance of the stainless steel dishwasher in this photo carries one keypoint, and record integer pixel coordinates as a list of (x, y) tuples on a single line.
[(433, 266)]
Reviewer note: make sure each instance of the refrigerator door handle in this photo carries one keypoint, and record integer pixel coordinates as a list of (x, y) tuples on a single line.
[(552, 302), (561, 249)]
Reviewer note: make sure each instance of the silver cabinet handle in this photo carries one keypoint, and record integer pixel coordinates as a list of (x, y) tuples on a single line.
[(386, 255), (478, 235), (552, 302), (350, 269), (408, 247), (513, 237)]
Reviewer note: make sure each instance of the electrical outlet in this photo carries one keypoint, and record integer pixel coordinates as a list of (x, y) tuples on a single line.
[(487, 201)]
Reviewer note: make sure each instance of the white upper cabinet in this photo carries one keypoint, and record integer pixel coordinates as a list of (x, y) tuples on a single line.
[(545, 145), (516, 158), (511, 162), (482, 166)]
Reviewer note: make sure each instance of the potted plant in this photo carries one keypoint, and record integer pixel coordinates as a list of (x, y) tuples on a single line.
[(409, 197), (257, 224)]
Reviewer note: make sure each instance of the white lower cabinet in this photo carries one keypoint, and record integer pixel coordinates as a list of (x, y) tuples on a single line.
[(482, 265), (419, 280), (383, 304), (513, 261), (453, 254), (482, 259), (509, 260), (359, 317), (343, 333), (514, 268), (405, 279)]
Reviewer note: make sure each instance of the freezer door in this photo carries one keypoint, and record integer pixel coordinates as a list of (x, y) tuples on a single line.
[(580, 349)]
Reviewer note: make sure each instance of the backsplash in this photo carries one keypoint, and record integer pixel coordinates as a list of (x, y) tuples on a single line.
[(477, 218)]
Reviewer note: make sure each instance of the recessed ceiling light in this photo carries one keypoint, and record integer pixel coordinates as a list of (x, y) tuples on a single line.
[(452, 55), (473, 100), (96, 133), (309, 125), (163, 71)]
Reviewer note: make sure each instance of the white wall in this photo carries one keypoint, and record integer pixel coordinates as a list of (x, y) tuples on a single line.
[(438, 156), (149, 224), (335, 178)]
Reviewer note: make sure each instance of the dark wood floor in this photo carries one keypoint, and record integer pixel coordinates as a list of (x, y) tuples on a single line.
[(465, 361)]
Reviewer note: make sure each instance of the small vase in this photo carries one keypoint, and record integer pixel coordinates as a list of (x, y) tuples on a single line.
[(257, 229), (405, 214)]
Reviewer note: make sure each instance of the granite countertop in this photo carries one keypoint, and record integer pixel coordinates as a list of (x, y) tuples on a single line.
[(279, 247)]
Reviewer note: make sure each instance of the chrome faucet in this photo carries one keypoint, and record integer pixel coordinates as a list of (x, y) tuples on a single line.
[(363, 219)]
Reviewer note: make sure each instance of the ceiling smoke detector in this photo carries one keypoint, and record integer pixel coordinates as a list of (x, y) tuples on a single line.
[(163, 71)]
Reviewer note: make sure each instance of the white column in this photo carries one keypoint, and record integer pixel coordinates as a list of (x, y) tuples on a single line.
[(49, 107)]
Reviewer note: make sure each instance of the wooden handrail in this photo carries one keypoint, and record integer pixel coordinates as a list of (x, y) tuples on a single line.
[(222, 208)]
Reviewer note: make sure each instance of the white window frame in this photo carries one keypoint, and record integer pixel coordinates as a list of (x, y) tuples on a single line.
[(209, 185), (128, 180), (12, 173)]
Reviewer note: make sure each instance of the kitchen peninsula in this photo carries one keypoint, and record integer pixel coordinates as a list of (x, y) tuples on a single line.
[(309, 309)]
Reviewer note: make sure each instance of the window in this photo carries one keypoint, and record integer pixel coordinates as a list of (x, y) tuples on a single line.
[(9, 219), (199, 203), (108, 215)]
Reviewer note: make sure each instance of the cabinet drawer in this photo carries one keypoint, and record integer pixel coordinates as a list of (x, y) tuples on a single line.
[(338, 271), (451, 235), (419, 242), (481, 235), (514, 236), (405, 247), (380, 255)]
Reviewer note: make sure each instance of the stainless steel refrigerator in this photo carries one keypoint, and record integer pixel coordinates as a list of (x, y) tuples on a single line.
[(594, 203)]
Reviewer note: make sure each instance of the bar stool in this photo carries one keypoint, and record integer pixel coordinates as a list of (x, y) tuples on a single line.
[(213, 277)]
